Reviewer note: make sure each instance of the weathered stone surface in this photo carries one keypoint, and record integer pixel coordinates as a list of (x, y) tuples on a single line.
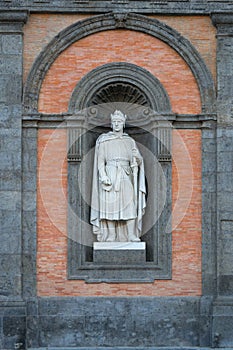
[(86, 322), (10, 275), (12, 44), (14, 330), (10, 168)]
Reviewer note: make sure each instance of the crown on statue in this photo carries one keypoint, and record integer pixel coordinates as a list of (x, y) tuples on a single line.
[(118, 115)]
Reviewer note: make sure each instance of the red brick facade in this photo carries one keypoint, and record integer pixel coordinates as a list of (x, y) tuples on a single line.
[(166, 65), (52, 223)]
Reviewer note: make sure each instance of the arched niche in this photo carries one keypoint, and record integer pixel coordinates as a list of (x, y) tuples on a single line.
[(145, 101)]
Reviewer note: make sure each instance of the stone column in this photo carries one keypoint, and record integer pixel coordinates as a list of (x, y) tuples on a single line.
[(12, 312), (223, 310)]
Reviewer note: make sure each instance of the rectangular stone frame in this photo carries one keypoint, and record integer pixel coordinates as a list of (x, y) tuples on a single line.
[(80, 262)]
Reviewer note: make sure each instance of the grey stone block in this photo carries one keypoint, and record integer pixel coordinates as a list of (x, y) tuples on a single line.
[(10, 275), (122, 255), (209, 183), (10, 179), (208, 144), (225, 144), (1, 335), (225, 183), (12, 44), (225, 201), (120, 322), (10, 241), (9, 140), (209, 162), (33, 329), (10, 93), (29, 275), (226, 285), (63, 331), (10, 134), (222, 326), (29, 232), (208, 202), (29, 201), (10, 200), (10, 161), (225, 161), (224, 132), (32, 306), (29, 182), (10, 64), (14, 332), (12, 308)]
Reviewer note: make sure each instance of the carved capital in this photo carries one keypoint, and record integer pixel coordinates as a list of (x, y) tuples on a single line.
[(223, 22), (12, 21)]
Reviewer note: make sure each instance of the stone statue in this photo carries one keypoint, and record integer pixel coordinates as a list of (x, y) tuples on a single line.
[(118, 190)]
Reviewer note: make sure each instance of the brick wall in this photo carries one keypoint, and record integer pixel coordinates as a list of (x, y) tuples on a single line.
[(117, 46), (52, 233), (175, 75), (200, 31), (41, 28)]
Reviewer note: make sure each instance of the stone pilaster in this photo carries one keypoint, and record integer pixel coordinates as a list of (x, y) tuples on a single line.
[(223, 309), (12, 315)]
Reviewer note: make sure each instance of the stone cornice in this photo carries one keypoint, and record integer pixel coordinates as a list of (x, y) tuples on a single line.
[(188, 7), (178, 121), (223, 22), (11, 22), (13, 16)]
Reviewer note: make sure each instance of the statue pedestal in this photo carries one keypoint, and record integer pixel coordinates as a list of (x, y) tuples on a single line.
[(119, 253)]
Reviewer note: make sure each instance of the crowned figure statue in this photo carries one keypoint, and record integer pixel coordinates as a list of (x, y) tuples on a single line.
[(118, 190)]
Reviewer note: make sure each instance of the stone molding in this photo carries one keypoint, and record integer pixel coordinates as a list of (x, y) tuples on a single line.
[(127, 73), (178, 121), (224, 23), (173, 7), (109, 21), (13, 16), (11, 22)]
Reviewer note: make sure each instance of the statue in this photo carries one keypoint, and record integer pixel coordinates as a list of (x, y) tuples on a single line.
[(118, 191)]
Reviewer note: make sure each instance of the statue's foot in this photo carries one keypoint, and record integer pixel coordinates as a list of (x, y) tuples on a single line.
[(111, 239), (134, 239)]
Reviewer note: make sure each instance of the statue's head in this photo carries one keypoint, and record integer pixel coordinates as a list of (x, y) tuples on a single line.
[(118, 115)]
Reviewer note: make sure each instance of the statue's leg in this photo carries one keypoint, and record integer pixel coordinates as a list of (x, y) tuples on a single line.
[(122, 232), (132, 231), (110, 230)]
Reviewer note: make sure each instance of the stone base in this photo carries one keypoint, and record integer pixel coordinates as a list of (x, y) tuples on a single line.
[(119, 252)]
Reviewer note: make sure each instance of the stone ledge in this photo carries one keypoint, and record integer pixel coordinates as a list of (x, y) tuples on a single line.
[(119, 245), (129, 348), (119, 252)]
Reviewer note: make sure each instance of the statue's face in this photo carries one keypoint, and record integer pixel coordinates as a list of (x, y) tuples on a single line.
[(117, 125)]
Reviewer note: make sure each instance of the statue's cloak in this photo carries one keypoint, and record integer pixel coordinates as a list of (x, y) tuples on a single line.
[(97, 186)]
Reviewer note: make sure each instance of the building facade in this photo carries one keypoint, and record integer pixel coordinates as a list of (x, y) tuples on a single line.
[(65, 66)]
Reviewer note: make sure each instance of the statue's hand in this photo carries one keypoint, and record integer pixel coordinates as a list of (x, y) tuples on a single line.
[(136, 155), (106, 181)]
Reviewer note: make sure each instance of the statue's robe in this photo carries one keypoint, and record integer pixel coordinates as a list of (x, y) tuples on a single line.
[(124, 199)]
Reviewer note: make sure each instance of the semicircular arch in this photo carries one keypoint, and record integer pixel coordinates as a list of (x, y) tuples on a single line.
[(111, 21), (147, 89)]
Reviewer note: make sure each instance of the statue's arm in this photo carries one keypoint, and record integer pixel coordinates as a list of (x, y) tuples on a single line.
[(101, 165), (136, 154)]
